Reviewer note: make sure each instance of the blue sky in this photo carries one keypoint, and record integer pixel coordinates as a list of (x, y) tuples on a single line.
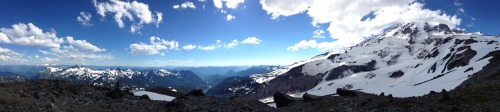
[(205, 33)]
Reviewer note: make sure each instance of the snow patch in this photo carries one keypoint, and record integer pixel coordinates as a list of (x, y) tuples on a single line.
[(154, 96)]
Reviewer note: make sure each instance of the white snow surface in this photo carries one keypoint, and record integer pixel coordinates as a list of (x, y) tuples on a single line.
[(110, 74), (272, 105), (154, 96), (393, 52)]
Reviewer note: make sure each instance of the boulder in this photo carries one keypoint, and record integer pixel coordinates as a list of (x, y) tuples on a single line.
[(309, 97), (196, 93), (345, 92), (282, 99)]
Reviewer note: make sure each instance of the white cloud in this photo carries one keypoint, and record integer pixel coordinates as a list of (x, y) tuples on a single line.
[(218, 4), (207, 48), (461, 10), (319, 33), (154, 47), (159, 16), (74, 54), (29, 35), (84, 45), (126, 10), (230, 17), (232, 4), (84, 19), (202, 0), (47, 59), (188, 47), (251, 40), (188, 5), (32, 36), (284, 8), (44, 52), (232, 44), (344, 17), (211, 47), (10, 55), (185, 5), (322, 46), (221, 44)]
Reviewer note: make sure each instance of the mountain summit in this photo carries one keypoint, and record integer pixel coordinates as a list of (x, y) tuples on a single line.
[(407, 60)]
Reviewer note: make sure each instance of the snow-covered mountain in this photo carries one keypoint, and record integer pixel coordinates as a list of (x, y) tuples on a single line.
[(184, 79), (406, 60)]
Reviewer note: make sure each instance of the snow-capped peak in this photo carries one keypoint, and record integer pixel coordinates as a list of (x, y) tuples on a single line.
[(406, 60)]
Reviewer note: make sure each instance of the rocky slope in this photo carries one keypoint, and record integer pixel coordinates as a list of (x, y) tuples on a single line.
[(59, 96), (407, 60), (183, 80)]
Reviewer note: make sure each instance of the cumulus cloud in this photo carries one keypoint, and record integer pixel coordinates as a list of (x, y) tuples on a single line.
[(221, 44), (251, 40), (127, 10), (154, 47), (218, 44), (29, 35), (322, 46), (8, 55), (218, 4), (345, 17), (159, 15), (188, 5), (32, 36), (185, 5), (176, 6), (319, 33), (84, 45), (72, 53), (188, 47), (47, 59), (43, 52), (461, 10), (230, 17), (232, 44), (279, 8), (231, 4), (207, 48), (84, 19)]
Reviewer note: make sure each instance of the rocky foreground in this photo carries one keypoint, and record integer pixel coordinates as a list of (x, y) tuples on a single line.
[(479, 93)]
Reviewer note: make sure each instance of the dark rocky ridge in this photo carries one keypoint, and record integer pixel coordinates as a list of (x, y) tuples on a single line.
[(55, 95)]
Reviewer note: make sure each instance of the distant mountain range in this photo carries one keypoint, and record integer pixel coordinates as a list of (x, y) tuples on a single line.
[(183, 80), (214, 80), (407, 60)]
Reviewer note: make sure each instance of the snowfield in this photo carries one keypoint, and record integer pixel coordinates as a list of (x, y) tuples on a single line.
[(154, 96), (408, 60)]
